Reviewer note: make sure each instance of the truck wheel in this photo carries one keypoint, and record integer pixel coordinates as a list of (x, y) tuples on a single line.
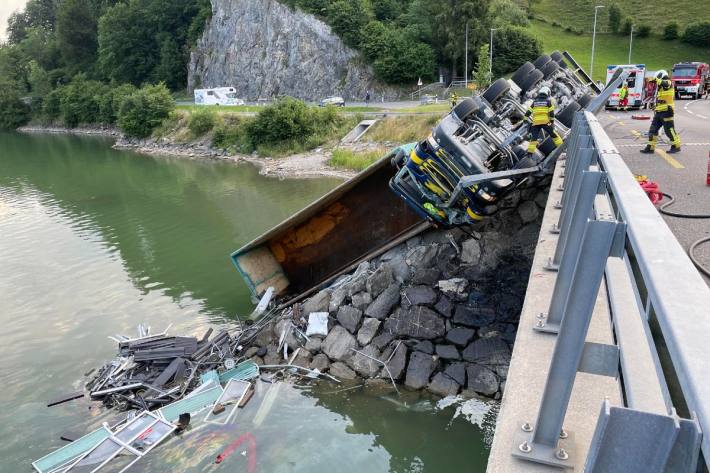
[(558, 58), (496, 90), (465, 108), (522, 73), (566, 116), (531, 80), (541, 61), (584, 100), (549, 69)]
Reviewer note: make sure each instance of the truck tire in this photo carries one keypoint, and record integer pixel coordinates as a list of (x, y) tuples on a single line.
[(522, 73), (547, 146), (541, 61), (465, 108), (496, 90), (584, 100), (549, 69), (531, 80), (566, 116), (557, 57)]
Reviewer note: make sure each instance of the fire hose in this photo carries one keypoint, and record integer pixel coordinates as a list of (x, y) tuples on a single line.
[(691, 251)]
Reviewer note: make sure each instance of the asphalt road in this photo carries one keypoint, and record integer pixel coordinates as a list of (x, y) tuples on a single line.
[(682, 175)]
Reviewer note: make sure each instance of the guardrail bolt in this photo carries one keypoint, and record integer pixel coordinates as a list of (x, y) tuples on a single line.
[(563, 434), (561, 454), (540, 324), (525, 447), (527, 427), (541, 315)]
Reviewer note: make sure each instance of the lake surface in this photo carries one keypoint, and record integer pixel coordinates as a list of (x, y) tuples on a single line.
[(94, 241)]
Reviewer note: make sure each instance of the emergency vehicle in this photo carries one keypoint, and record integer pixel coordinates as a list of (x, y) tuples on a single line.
[(635, 83), (690, 78), (217, 96)]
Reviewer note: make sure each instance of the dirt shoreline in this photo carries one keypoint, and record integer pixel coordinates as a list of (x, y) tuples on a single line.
[(298, 166)]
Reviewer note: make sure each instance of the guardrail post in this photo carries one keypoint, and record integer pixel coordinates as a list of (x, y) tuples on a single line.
[(568, 250), (545, 442), (583, 158)]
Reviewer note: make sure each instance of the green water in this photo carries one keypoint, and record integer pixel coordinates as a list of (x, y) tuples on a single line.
[(94, 241)]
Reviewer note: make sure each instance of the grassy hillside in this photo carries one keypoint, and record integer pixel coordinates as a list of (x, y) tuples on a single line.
[(580, 13), (612, 49)]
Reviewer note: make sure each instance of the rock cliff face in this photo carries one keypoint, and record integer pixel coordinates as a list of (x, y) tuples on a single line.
[(265, 49)]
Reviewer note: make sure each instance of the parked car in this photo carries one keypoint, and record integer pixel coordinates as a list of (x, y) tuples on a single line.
[(218, 96), (690, 78), (335, 101)]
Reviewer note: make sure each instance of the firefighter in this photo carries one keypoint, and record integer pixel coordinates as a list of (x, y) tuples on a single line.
[(663, 116), (624, 97), (454, 99), (542, 116)]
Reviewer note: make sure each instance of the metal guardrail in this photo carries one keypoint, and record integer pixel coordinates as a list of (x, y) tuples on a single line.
[(611, 234)]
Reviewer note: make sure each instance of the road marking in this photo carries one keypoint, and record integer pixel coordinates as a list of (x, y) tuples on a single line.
[(636, 133), (669, 159), (702, 116), (621, 123)]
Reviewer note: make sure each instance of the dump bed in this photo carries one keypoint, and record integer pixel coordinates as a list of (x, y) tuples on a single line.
[(354, 222)]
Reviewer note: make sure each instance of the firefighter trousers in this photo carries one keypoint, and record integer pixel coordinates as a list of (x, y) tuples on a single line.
[(536, 131), (663, 119)]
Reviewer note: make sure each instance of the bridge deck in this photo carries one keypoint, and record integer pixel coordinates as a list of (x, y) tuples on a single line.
[(531, 359)]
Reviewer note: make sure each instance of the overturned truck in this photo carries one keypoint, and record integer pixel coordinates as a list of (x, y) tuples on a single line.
[(473, 157)]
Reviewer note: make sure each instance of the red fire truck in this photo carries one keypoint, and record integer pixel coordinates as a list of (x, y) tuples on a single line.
[(691, 78)]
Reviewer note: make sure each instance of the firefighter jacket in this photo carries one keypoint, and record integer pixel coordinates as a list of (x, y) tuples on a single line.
[(665, 96), (542, 111), (623, 93)]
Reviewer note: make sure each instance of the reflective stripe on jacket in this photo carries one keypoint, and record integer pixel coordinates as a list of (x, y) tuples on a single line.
[(542, 111), (665, 96)]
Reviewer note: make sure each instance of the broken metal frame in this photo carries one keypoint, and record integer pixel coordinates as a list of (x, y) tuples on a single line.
[(611, 234)]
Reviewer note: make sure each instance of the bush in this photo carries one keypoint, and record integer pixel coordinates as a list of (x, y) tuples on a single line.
[(347, 18), (614, 18), (671, 31), (697, 34), (626, 27), (51, 108), (201, 122), (644, 31), (13, 111), (79, 102), (145, 109), (110, 103), (232, 134)]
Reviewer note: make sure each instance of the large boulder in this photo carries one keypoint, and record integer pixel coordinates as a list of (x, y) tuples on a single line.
[(455, 288), (447, 352), (365, 365), (460, 336), (381, 307), (416, 322), (397, 362), (349, 317), (470, 251), (320, 362), (457, 372), (359, 279), (368, 330), (419, 370), (338, 344), (473, 315), (482, 380), (337, 298), (422, 257), (445, 307), (361, 300), (528, 211), (313, 344), (341, 371), (443, 385), (424, 346), (492, 351), (380, 280), (400, 269), (317, 303), (382, 340), (419, 295), (427, 276)]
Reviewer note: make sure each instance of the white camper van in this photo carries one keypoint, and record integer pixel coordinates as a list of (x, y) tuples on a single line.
[(217, 96)]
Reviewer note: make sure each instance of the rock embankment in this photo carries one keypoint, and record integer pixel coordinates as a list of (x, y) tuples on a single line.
[(265, 49), (441, 310)]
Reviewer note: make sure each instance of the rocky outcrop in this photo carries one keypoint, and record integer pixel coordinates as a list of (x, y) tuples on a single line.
[(265, 49), (438, 312)]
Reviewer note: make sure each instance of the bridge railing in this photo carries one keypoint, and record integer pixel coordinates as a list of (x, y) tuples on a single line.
[(611, 234)]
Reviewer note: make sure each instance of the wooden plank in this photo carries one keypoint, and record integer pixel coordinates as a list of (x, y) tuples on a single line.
[(65, 398)]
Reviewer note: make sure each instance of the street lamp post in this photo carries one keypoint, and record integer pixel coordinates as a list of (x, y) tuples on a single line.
[(490, 58), (631, 42), (465, 67), (594, 37)]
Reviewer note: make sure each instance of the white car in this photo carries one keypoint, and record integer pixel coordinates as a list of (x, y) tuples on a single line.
[(336, 101)]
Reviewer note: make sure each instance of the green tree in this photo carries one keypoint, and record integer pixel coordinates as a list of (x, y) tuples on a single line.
[(450, 25), (614, 18), (376, 38), (347, 18), (403, 61), (671, 31), (513, 46), (507, 13), (644, 31), (37, 14), (697, 34), (77, 34), (482, 74), (79, 101), (626, 26), (14, 111), (385, 10), (145, 109)]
